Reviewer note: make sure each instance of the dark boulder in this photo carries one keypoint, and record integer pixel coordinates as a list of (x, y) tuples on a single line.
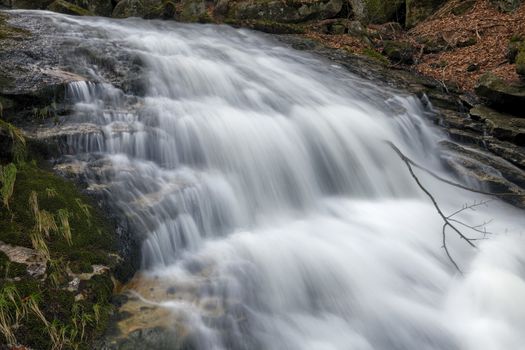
[(398, 51), (501, 95), (506, 5), (294, 11), (419, 10)]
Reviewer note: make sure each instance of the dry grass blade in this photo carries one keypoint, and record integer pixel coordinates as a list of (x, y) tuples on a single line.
[(8, 178), (65, 228)]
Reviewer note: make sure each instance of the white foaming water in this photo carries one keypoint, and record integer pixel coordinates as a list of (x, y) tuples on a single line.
[(260, 176)]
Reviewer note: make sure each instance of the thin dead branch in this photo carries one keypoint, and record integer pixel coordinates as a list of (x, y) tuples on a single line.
[(449, 221)]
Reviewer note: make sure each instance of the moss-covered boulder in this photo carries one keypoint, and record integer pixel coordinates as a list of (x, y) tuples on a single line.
[(378, 11), (26, 4), (291, 11), (68, 8), (193, 11), (96, 7), (140, 8), (506, 5), (419, 10), (399, 51)]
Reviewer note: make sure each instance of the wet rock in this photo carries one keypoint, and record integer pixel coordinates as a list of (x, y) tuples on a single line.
[(501, 95), (399, 52), (193, 11), (95, 7), (502, 126), (492, 173), (145, 339), (294, 11), (68, 8), (419, 10), (138, 8)]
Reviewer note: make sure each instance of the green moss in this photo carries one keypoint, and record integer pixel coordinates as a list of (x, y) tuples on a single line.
[(89, 230), (92, 243), (373, 54), (9, 268), (9, 32), (63, 6), (267, 26), (81, 266), (382, 11)]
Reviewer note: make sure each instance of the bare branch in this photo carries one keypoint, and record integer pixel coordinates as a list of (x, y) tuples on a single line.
[(436, 176)]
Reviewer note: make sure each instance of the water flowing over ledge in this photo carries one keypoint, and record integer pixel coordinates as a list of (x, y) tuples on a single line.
[(270, 206)]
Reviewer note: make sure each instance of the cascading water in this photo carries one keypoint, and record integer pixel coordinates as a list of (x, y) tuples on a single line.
[(261, 180)]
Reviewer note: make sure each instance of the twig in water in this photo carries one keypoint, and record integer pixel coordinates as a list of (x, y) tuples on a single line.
[(448, 220)]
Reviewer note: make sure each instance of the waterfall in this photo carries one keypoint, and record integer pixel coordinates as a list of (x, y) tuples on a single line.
[(261, 184)]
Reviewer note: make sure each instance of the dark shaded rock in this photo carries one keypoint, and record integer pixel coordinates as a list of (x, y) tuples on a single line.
[(433, 45), (146, 339), (501, 95), (502, 126), (506, 5), (294, 11), (515, 46), (473, 67), (399, 52), (96, 7), (520, 61), (463, 7), (378, 11), (494, 174), (138, 8), (68, 8), (26, 4), (419, 10), (193, 11)]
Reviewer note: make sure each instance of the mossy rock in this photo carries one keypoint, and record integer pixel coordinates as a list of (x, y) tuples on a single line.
[(506, 5), (500, 94), (8, 31), (290, 11), (11, 269), (27, 4), (68, 8), (378, 11), (91, 235), (463, 7), (419, 10), (268, 26), (375, 55), (398, 51)]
